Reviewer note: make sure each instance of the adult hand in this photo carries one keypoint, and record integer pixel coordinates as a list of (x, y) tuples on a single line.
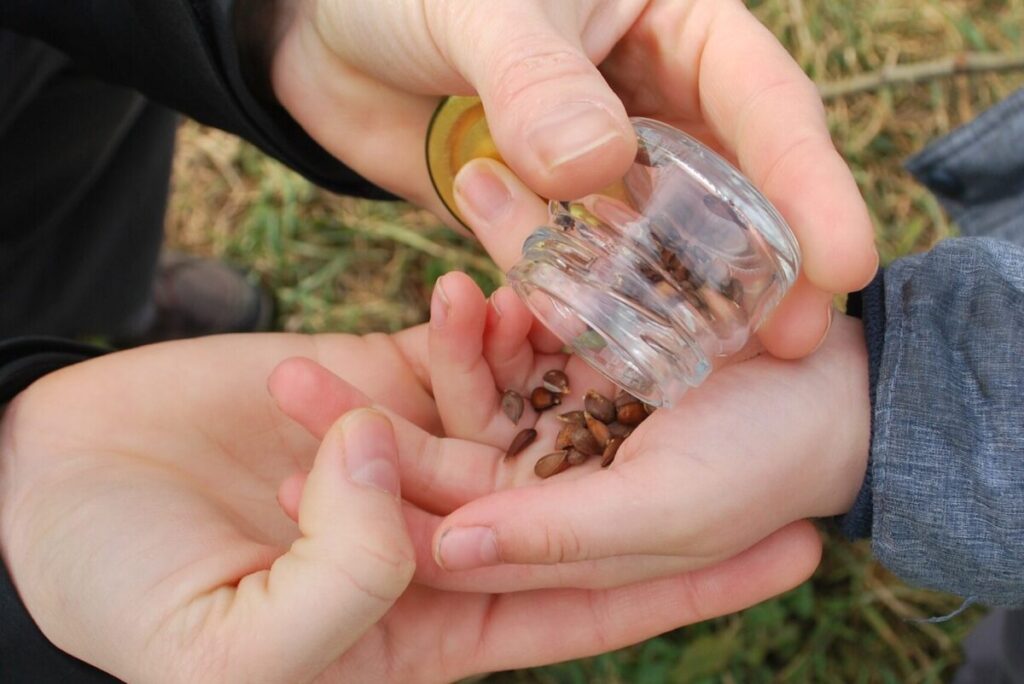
[(139, 522), (363, 79)]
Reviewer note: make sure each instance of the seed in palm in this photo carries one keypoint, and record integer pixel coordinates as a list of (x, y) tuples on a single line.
[(599, 406), (610, 450), (584, 440), (556, 381), (551, 464), (522, 440), (512, 405), (542, 399), (575, 457)]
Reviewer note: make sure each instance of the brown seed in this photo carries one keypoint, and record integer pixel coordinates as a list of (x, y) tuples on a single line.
[(617, 429), (733, 290), (564, 439), (610, 450), (643, 156), (576, 457), (521, 441), (632, 413), (512, 405), (670, 260), (599, 430), (542, 399), (551, 464), (649, 272), (666, 289), (584, 440), (573, 417), (623, 398), (599, 406), (564, 221), (556, 381)]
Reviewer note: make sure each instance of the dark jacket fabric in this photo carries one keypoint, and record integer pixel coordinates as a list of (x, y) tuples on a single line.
[(182, 54)]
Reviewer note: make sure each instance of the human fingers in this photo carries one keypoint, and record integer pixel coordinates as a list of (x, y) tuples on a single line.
[(616, 571), (330, 99), (553, 116), (768, 112), (500, 209), (353, 560), (596, 574), (463, 384), (507, 344), (526, 628), (673, 481), (437, 474), (800, 322)]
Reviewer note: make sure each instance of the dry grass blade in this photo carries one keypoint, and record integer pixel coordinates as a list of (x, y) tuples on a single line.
[(965, 63)]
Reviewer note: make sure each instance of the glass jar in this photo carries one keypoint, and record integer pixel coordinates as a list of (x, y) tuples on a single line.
[(653, 279)]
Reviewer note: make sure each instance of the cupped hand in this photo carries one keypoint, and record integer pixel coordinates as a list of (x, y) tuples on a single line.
[(139, 521), (363, 79), (762, 443)]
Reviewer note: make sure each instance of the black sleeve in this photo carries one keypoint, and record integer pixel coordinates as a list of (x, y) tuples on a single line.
[(183, 54), (869, 306), (25, 654)]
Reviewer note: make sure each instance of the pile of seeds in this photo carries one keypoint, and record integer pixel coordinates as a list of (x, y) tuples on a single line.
[(598, 430)]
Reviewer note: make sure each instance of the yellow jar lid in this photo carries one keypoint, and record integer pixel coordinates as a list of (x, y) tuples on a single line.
[(458, 133)]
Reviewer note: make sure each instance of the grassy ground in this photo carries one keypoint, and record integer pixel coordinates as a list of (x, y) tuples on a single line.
[(342, 264)]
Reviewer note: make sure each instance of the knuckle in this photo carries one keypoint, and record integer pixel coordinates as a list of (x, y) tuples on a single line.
[(385, 569), (531, 63), (561, 544)]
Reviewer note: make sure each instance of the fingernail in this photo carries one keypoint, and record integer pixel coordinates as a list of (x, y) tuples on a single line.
[(874, 271), (439, 305), (495, 305), (370, 455), (572, 131), (482, 192), (465, 548), (828, 327)]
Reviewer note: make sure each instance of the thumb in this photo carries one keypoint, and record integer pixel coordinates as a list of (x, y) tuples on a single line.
[(353, 560), (554, 118)]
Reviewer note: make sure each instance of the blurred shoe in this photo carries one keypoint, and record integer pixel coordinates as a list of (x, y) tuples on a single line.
[(194, 296)]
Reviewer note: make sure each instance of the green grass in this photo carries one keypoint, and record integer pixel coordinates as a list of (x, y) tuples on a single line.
[(343, 264)]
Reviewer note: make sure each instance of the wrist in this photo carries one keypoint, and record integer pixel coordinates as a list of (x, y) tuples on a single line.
[(846, 391)]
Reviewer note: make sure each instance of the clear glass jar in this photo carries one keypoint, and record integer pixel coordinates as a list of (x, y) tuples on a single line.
[(653, 279)]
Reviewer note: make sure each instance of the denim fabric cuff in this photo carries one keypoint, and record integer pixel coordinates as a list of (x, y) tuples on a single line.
[(869, 306)]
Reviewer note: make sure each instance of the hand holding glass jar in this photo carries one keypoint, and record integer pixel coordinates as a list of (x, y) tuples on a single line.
[(559, 81)]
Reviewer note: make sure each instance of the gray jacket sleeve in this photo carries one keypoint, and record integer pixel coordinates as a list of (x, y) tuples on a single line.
[(944, 500)]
